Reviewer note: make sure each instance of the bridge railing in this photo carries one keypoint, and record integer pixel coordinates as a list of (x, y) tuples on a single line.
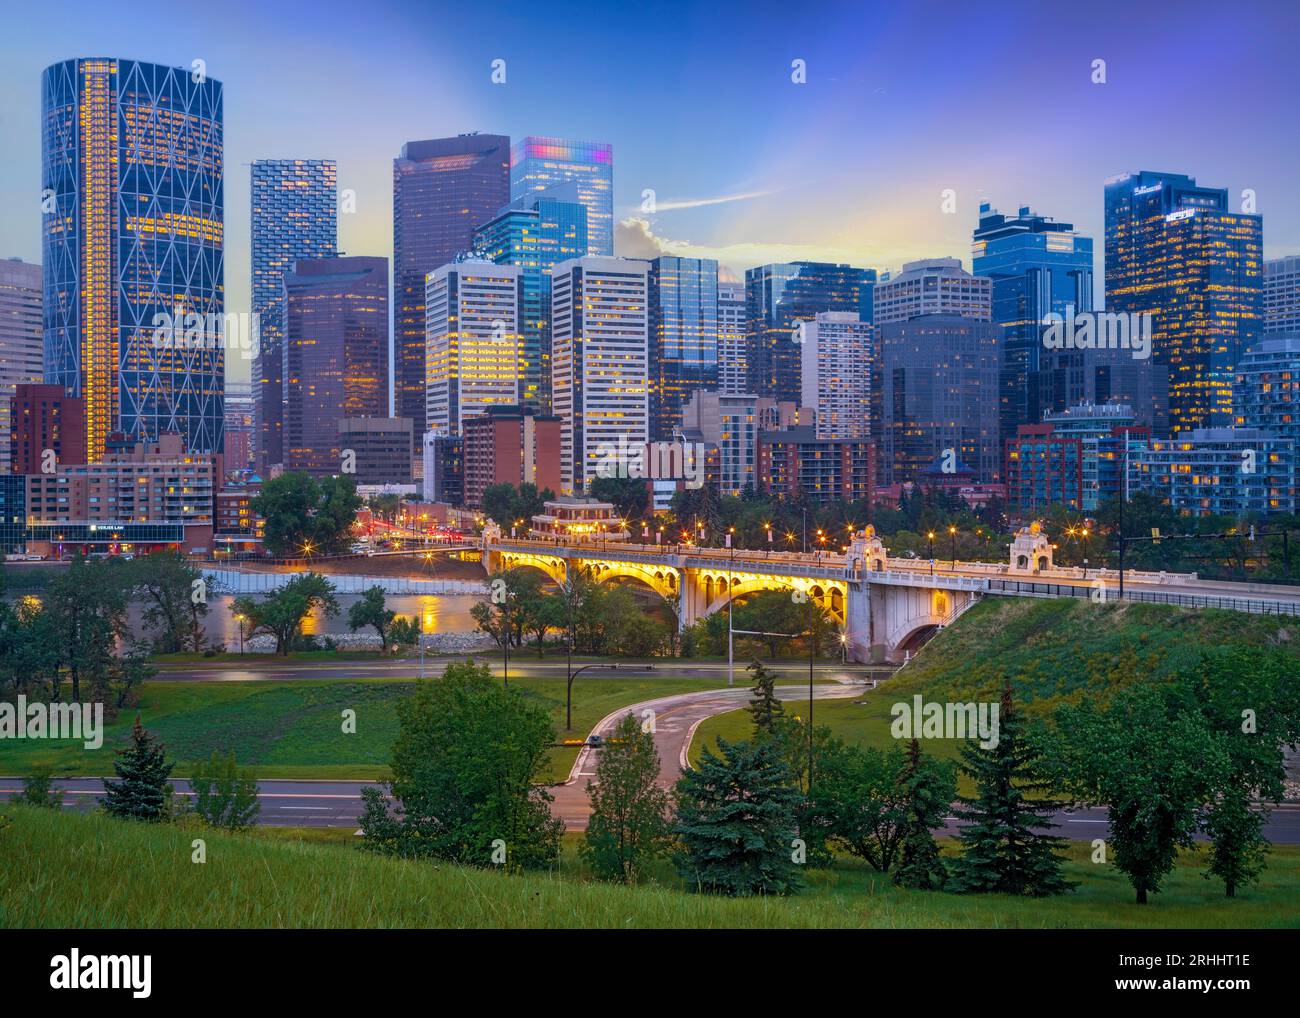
[(1253, 606)]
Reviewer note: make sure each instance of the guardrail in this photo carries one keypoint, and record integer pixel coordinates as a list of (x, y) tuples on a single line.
[(1252, 606)]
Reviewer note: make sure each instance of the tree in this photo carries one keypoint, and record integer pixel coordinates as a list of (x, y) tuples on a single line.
[(629, 811), (1004, 851), (629, 495), (927, 790), (764, 708), (172, 605), (372, 611), (38, 789), (336, 515), (302, 516), (506, 505), (736, 822), (465, 765), (86, 607), (1237, 843), (141, 791), (1151, 757), (629, 631), (859, 802), (224, 795), (281, 612)]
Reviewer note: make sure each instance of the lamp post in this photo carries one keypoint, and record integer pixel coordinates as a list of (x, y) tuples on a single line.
[(952, 532), (240, 620), (731, 582), (930, 535), (1084, 534)]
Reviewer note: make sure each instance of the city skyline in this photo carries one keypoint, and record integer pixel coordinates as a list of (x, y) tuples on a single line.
[(899, 140)]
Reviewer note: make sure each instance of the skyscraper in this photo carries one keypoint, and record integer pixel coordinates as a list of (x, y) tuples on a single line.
[(683, 352), (1282, 295), (1175, 250), (473, 311), (443, 190), (732, 374), (780, 296), (535, 232), (540, 163), (1038, 267), (1267, 387), (132, 172), (294, 216), (935, 286), (335, 355), (600, 331), (837, 365), (22, 340)]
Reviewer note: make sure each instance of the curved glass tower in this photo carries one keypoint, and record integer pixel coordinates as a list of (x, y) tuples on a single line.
[(133, 229)]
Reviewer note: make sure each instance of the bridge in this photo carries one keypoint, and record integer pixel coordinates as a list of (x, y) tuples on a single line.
[(885, 606)]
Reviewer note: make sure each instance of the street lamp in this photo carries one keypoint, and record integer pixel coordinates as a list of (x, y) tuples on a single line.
[(930, 535), (731, 584), (240, 620), (952, 532)]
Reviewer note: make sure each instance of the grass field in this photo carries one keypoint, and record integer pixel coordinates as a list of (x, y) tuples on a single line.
[(74, 871), (293, 729), (1054, 651)]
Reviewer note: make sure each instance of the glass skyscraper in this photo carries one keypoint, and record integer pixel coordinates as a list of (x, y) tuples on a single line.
[(294, 215), (778, 297), (1038, 267), (132, 164), (443, 190), (683, 353), (1175, 250), (540, 163), (536, 232)]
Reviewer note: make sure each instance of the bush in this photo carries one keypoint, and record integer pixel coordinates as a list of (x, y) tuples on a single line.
[(224, 796)]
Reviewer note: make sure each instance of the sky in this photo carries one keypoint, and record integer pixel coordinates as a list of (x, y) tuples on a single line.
[(901, 102)]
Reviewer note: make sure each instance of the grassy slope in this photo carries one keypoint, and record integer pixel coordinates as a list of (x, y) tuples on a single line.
[(73, 871), (293, 729), (1052, 650)]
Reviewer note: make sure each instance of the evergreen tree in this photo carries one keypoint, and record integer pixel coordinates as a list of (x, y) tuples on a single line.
[(928, 789), (736, 822), (764, 708), (142, 793), (1003, 851), (629, 811)]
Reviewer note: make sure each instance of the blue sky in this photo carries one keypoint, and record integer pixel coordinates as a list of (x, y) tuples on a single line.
[(901, 102)]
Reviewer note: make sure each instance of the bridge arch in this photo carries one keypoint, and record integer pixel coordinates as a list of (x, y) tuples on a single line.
[(719, 588)]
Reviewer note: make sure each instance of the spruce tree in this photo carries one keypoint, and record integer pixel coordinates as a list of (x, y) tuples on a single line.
[(142, 793), (1003, 849), (764, 708), (736, 822), (927, 789)]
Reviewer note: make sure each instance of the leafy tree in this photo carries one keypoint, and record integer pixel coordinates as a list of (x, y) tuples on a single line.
[(736, 822), (224, 795), (39, 790), (141, 791), (164, 583), (764, 708), (859, 802), (927, 788), (86, 606), (29, 649), (1151, 757), (1004, 851), (628, 631), (629, 495), (303, 516), (1237, 843), (465, 765), (281, 612), (629, 811), (336, 515), (372, 611), (404, 632), (505, 504)]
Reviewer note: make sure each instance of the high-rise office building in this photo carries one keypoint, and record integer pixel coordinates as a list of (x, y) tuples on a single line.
[(1174, 249), (1282, 295), (132, 170), (936, 286), (537, 164), (22, 338), (837, 368), (1038, 267), (1108, 434), (335, 355), (939, 397), (778, 298), (241, 423), (732, 372), (443, 190), (293, 207), (473, 311), (535, 232), (683, 337), (600, 334), (730, 421)]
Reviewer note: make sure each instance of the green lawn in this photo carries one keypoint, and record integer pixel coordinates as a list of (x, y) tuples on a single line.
[(1054, 651), (293, 729), (66, 870)]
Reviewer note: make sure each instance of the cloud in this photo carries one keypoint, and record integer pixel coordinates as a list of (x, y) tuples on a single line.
[(697, 203)]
